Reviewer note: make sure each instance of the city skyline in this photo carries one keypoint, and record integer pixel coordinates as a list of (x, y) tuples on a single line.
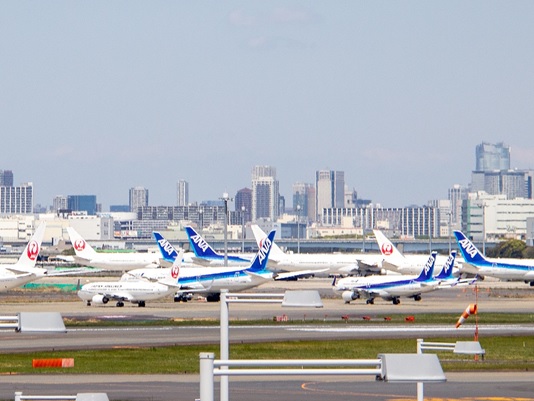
[(101, 97)]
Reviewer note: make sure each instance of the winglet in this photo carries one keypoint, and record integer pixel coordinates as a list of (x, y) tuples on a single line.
[(428, 270), (469, 251)]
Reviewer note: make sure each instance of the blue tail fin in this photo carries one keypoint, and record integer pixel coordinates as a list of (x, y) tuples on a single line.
[(201, 248), (428, 270), (446, 271), (260, 261), (168, 252), (470, 252)]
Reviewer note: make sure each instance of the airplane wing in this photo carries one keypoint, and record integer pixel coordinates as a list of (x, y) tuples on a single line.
[(71, 271), (20, 273), (298, 274), (201, 261)]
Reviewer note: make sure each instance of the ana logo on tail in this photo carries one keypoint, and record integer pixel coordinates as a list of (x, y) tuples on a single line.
[(202, 244), (166, 246), (264, 249), (429, 263), (468, 247), (79, 245), (387, 249), (33, 250)]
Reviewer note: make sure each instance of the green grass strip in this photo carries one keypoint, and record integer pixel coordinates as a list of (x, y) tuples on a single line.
[(502, 354)]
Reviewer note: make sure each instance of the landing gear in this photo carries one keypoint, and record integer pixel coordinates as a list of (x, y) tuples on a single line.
[(213, 297), (370, 301), (141, 304), (395, 301), (417, 297), (88, 303), (120, 304)]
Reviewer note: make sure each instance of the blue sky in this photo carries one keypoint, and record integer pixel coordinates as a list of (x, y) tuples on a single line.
[(97, 97)]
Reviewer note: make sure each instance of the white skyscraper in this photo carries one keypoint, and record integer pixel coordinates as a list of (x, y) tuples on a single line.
[(182, 193)]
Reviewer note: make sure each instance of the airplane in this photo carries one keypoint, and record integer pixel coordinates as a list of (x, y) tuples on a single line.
[(134, 291), (211, 280), (396, 261), (24, 270), (205, 255), (390, 288), (505, 269), (87, 256), (319, 264)]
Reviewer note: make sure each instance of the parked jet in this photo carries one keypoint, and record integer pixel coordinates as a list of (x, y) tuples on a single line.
[(134, 291), (24, 270), (390, 288), (210, 281), (87, 256), (319, 264), (504, 269), (404, 264), (205, 255)]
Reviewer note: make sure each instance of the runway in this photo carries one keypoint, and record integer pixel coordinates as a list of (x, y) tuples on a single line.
[(500, 297)]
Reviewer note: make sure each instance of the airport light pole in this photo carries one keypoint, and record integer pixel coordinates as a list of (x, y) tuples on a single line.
[(298, 228), (291, 298), (225, 198), (243, 210)]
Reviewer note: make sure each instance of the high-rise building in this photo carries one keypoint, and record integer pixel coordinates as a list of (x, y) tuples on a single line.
[(6, 178), (182, 193), (243, 203), (330, 190), (138, 198), (80, 203), (16, 200), (456, 196), (490, 157), (59, 202), (265, 193), (304, 200)]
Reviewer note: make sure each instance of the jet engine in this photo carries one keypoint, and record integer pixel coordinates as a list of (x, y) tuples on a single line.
[(100, 299), (349, 296)]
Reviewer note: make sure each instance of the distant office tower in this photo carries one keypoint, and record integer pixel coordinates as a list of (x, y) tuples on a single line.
[(529, 184), (243, 203), (59, 203), (493, 174), (457, 194), (16, 200), (304, 199), (265, 193), (330, 190), (182, 193), (6, 178), (138, 198), (80, 203), (491, 157)]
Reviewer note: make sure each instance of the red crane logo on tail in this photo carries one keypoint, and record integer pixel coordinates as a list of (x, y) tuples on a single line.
[(33, 250), (387, 249), (79, 245)]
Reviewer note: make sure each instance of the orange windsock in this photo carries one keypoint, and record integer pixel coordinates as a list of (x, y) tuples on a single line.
[(470, 310)]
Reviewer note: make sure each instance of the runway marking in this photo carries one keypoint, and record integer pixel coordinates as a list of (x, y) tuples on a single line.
[(307, 387)]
